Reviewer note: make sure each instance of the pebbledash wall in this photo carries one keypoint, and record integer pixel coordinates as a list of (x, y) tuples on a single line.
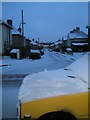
[(6, 37)]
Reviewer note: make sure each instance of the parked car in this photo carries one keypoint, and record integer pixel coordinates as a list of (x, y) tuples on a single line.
[(69, 51), (42, 51), (34, 54), (56, 95)]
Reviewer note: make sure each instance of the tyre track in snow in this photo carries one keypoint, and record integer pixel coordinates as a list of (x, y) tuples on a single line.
[(59, 58)]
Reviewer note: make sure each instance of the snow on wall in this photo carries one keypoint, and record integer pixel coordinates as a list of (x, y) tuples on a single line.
[(73, 79)]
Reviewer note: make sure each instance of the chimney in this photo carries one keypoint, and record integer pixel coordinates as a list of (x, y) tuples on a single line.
[(19, 29), (9, 21), (77, 29)]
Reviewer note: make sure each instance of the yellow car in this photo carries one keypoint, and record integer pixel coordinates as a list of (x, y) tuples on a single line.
[(57, 94)]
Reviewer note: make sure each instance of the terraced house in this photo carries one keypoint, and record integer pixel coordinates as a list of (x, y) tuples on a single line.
[(6, 41), (77, 40)]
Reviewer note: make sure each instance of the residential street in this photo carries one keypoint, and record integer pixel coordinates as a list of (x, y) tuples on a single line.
[(49, 61), (16, 70), (44, 48)]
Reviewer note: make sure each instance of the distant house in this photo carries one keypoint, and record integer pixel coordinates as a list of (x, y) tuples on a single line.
[(52, 46), (56, 46), (77, 40), (46, 44), (6, 41), (34, 45), (21, 43)]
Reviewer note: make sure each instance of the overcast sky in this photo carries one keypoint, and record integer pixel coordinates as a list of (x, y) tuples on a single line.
[(48, 21)]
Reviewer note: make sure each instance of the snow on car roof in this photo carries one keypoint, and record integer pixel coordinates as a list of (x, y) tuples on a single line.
[(73, 79), (35, 51), (68, 49)]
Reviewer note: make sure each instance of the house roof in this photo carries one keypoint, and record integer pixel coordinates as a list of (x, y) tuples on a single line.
[(58, 42), (18, 35), (14, 31), (88, 26), (34, 43), (76, 34), (64, 38), (28, 39), (6, 24)]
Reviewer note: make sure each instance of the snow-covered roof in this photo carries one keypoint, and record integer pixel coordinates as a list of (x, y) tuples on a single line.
[(33, 43), (14, 50), (79, 44), (72, 80), (34, 51), (78, 34), (6, 24), (64, 38), (52, 45), (88, 26), (58, 42), (15, 32)]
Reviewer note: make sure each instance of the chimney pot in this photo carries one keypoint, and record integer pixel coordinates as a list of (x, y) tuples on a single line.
[(77, 28), (9, 21)]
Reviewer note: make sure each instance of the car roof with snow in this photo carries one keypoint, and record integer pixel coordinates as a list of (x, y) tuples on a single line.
[(35, 51), (71, 80)]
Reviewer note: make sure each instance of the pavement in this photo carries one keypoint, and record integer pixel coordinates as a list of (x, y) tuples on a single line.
[(10, 89)]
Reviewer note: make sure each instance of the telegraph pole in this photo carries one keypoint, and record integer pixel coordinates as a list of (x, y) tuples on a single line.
[(22, 25)]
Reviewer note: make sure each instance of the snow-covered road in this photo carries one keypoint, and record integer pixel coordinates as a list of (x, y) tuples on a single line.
[(49, 61), (14, 71)]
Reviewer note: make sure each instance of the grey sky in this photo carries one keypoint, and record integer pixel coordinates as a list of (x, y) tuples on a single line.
[(48, 21)]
